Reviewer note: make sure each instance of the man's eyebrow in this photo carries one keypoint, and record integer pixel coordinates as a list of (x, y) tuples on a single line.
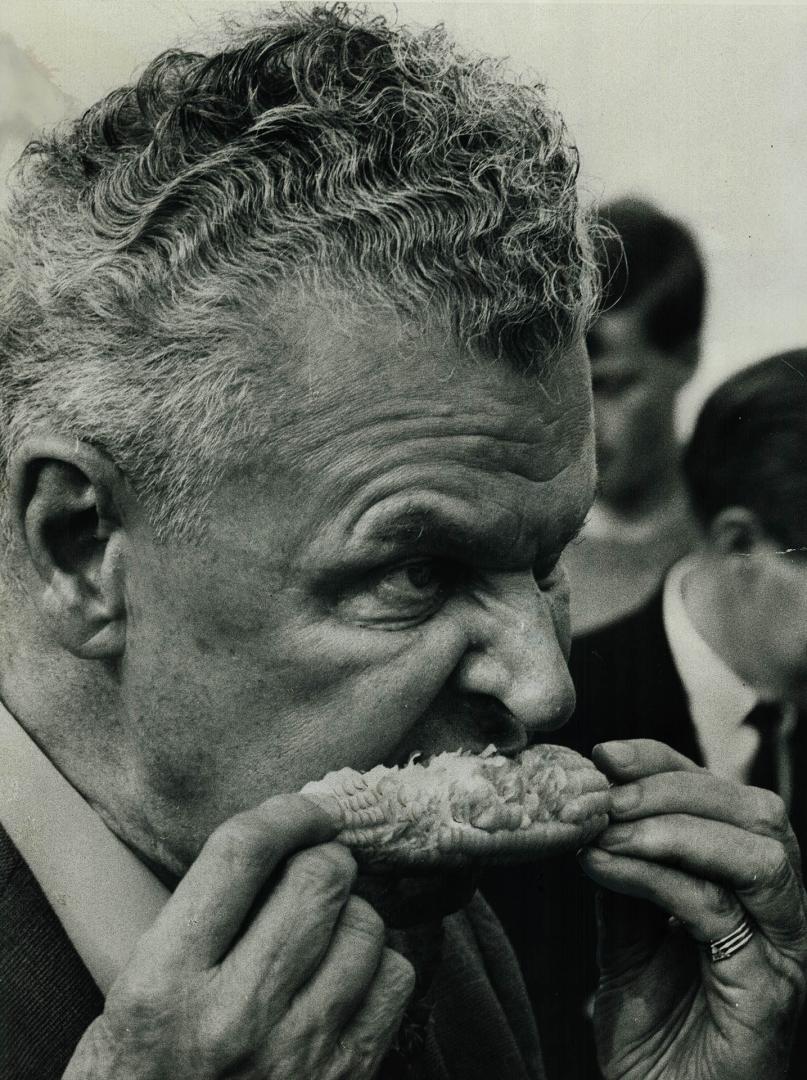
[(428, 526), (411, 526)]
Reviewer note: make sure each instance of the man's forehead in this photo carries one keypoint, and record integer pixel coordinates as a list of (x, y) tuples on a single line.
[(326, 332), (352, 356), (408, 442)]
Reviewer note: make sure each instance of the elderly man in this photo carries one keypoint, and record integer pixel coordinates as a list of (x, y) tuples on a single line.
[(297, 423)]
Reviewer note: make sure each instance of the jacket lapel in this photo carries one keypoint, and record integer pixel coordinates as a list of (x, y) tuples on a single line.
[(47, 997)]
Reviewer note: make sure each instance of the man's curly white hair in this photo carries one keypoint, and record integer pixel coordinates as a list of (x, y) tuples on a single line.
[(321, 149)]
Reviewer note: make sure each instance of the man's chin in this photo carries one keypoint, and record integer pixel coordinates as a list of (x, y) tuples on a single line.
[(412, 900)]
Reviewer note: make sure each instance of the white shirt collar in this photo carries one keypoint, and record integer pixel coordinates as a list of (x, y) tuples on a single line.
[(104, 897)]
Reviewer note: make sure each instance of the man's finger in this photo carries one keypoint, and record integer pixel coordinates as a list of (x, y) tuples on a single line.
[(368, 1037), (707, 915), (211, 903), (635, 946), (706, 909), (633, 758), (703, 795), (341, 983), (289, 935), (754, 867)]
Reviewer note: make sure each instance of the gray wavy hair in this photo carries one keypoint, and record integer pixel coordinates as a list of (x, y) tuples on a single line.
[(321, 148)]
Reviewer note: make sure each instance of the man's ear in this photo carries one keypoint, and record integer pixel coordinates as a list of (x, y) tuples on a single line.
[(65, 503), (736, 530)]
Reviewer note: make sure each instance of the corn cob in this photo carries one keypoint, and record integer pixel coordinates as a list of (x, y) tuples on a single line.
[(461, 808)]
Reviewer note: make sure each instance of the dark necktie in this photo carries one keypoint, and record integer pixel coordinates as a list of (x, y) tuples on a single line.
[(767, 719)]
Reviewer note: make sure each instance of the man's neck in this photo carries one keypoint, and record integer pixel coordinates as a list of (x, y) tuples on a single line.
[(68, 707), (709, 609), (91, 767)]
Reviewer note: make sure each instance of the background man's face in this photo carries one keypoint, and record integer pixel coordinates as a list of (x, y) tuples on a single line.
[(772, 625), (635, 389), (388, 587)]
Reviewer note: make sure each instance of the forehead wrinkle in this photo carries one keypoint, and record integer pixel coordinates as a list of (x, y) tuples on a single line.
[(487, 438), (361, 414), (358, 476), (482, 453), (361, 488), (411, 517), (371, 389)]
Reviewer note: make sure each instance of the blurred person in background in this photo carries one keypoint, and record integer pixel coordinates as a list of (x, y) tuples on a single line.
[(644, 349), (714, 666)]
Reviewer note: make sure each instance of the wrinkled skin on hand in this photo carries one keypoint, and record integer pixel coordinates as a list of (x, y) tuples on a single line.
[(232, 981), (706, 851)]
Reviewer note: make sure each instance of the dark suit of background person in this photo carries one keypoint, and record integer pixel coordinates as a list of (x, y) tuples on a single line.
[(644, 348), (746, 468)]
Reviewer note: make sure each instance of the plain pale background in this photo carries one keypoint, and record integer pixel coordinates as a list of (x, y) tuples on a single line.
[(702, 107)]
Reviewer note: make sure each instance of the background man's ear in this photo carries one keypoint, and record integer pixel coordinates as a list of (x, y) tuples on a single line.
[(65, 499), (736, 530)]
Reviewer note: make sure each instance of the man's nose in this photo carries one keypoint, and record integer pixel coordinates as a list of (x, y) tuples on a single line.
[(516, 654)]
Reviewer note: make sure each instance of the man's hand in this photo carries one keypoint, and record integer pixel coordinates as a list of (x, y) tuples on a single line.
[(243, 976), (708, 852)]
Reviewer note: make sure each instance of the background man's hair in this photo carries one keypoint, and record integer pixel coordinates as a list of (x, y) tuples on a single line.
[(321, 149), (650, 261), (749, 448)]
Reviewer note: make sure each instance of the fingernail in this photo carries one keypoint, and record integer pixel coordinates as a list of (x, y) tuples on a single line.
[(615, 836), (580, 809), (625, 798), (620, 753)]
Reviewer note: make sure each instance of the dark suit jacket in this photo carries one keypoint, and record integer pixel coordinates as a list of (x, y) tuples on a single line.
[(627, 687), (475, 1022), (47, 997)]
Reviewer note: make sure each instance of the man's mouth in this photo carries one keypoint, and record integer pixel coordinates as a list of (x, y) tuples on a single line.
[(471, 724)]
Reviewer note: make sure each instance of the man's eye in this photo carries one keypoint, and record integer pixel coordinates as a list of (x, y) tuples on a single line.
[(400, 594), (411, 582)]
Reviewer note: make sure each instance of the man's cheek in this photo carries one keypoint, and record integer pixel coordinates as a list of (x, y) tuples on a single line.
[(388, 676)]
